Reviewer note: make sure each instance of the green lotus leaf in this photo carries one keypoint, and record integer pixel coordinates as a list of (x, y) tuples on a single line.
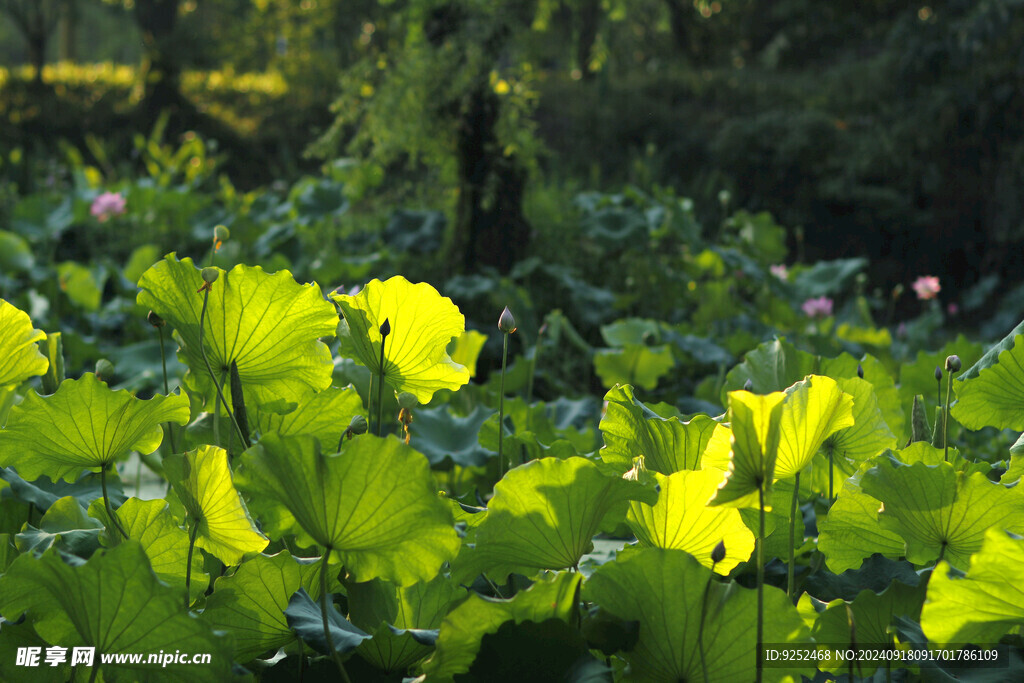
[(374, 504), (465, 626), (681, 520), (772, 366), (642, 586), (991, 356), (268, 324), (815, 408), (869, 436), (399, 618), (995, 396), (851, 532), (65, 525), (202, 480), (151, 523), (81, 284), (919, 377), (755, 441), (20, 357), (15, 636), (116, 604), (84, 425), (465, 349), (983, 605), (422, 324), (632, 429), (250, 603), (941, 512), (845, 366), (635, 364), (448, 439), (305, 617), (544, 514), (324, 415)]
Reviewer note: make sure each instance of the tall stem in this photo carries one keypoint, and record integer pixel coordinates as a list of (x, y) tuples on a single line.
[(323, 614), (792, 529), (188, 565), (209, 368), (703, 612), (945, 419), (106, 503), (501, 410), (167, 391), (760, 583)]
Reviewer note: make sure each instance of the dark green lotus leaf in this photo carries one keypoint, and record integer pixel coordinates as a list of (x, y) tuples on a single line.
[(116, 604), (250, 604), (755, 423), (84, 425), (202, 480), (635, 364), (422, 323), (268, 324), (448, 439), (919, 377), (983, 605), (20, 357), (374, 504), (151, 523), (557, 651), (15, 636), (544, 514), (65, 525), (941, 512), (991, 356), (305, 618), (631, 429), (324, 415), (43, 493), (640, 588), (876, 573), (404, 621), (631, 331), (772, 366), (463, 629), (995, 396), (682, 520), (888, 396), (851, 531)]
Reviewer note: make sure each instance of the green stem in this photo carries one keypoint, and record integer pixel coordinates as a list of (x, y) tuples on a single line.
[(792, 529), (323, 614), (380, 392), (945, 420), (530, 377), (188, 565), (209, 368), (106, 502), (703, 612), (167, 391), (94, 674), (501, 411), (831, 475), (760, 584)]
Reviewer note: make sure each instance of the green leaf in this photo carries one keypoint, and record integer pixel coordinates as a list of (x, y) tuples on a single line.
[(544, 514), (53, 347), (465, 626), (374, 504), (755, 441), (250, 603), (815, 408), (114, 603), (139, 261), (631, 429), (633, 364), (681, 520), (19, 354), (84, 425), (919, 377), (324, 415), (995, 397), (80, 284), (422, 324), (983, 605), (15, 254), (851, 531), (65, 525), (844, 366), (465, 349), (939, 511), (305, 618), (449, 440), (664, 590), (267, 323), (772, 366), (202, 480), (151, 523)]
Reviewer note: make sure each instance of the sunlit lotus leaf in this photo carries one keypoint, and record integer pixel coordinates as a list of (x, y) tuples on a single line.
[(268, 324), (115, 603), (20, 357), (202, 480), (324, 415), (851, 532), (84, 425), (994, 395), (634, 364), (772, 366), (755, 440), (374, 504), (421, 322), (681, 520), (815, 408)]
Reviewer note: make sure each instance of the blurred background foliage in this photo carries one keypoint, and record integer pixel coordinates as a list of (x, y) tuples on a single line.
[(874, 128)]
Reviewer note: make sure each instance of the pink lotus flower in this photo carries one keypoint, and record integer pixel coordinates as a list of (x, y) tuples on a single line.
[(817, 308), (926, 287), (107, 205), (780, 271), (952, 309)]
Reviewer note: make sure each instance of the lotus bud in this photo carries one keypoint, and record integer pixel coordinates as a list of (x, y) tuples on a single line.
[(358, 425), (155, 320), (718, 554), (407, 401), (507, 323), (104, 369), (953, 363), (748, 385), (210, 275), (385, 328), (938, 372), (221, 233), (860, 370)]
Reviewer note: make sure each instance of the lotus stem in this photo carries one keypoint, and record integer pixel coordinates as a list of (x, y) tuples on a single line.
[(385, 330), (188, 565), (323, 614), (501, 411), (760, 584), (106, 502), (952, 367), (530, 377), (717, 555), (167, 391), (209, 368), (793, 507)]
